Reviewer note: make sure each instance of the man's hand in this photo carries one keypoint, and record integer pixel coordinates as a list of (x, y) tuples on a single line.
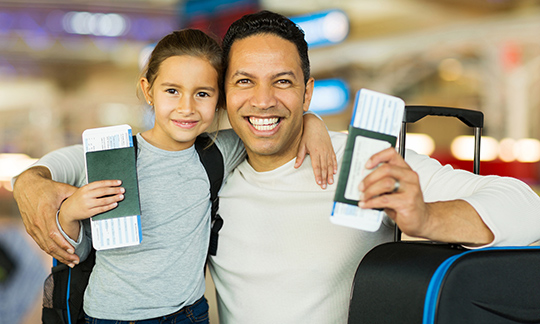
[(394, 186), (39, 198)]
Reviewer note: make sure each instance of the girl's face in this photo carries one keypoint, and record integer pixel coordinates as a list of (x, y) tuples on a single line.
[(184, 95)]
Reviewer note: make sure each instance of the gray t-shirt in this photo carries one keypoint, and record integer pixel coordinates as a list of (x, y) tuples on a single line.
[(165, 272)]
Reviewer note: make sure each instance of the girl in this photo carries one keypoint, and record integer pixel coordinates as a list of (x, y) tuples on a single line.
[(161, 280)]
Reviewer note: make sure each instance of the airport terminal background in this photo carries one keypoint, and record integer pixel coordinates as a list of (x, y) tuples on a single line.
[(66, 66)]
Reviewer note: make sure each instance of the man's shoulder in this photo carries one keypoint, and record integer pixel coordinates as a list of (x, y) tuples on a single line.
[(339, 140), (338, 137)]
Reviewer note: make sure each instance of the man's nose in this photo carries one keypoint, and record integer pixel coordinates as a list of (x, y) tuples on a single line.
[(264, 97)]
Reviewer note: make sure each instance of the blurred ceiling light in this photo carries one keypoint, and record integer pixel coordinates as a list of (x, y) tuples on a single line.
[(13, 164), (336, 26), (462, 148), (97, 24), (506, 150), (330, 96), (324, 28), (450, 69), (420, 143), (527, 150)]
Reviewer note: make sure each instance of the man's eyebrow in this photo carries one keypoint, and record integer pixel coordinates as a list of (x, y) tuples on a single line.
[(277, 75), (285, 73), (243, 73)]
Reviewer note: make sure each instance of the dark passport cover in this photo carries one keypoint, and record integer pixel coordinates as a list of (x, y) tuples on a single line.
[(116, 164)]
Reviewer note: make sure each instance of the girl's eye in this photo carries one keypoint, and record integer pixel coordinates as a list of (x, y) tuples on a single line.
[(203, 94), (171, 91)]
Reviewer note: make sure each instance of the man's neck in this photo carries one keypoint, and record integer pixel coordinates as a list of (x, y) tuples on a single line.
[(263, 163)]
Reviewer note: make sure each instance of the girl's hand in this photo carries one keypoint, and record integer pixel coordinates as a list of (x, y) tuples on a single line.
[(316, 142), (89, 200)]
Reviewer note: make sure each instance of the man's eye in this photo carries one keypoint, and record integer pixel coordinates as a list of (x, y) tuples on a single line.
[(283, 81), (243, 81)]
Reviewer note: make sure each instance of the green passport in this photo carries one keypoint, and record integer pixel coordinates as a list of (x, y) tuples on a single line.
[(116, 164), (351, 164)]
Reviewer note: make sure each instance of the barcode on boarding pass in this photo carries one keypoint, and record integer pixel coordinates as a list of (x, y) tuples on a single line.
[(108, 141), (116, 232)]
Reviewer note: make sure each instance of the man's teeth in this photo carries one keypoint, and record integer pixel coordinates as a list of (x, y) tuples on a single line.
[(264, 124)]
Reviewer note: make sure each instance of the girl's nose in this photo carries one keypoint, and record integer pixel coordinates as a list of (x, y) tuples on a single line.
[(186, 106)]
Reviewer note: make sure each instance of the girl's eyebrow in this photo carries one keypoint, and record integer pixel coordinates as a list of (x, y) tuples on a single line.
[(170, 84), (207, 88)]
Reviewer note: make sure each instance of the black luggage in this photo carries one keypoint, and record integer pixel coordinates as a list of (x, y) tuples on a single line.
[(428, 282)]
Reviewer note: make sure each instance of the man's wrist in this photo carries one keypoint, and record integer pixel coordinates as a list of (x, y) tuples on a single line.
[(429, 226)]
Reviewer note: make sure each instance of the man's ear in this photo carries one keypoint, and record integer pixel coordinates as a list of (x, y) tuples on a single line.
[(308, 94)]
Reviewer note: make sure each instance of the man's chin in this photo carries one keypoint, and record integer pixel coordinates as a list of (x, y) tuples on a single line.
[(263, 148)]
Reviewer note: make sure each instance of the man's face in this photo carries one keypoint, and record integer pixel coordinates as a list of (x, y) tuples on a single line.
[(266, 98)]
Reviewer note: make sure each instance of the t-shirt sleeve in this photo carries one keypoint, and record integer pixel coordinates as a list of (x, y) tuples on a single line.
[(232, 149), (508, 206), (66, 165)]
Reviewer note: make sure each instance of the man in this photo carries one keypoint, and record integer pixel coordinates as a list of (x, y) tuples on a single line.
[(280, 259)]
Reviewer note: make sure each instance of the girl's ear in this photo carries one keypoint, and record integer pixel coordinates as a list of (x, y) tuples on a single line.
[(145, 87)]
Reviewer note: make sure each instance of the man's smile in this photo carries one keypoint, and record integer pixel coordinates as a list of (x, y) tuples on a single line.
[(264, 124)]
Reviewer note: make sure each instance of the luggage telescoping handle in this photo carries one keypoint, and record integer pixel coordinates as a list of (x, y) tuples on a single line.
[(471, 118)]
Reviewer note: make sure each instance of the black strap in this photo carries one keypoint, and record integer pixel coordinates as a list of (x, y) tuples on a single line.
[(134, 140), (212, 161)]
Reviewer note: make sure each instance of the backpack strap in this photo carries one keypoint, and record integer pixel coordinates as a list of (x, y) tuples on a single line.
[(134, 140), (212, 161)]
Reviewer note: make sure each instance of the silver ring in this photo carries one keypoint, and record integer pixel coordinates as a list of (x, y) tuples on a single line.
[(396, 186)]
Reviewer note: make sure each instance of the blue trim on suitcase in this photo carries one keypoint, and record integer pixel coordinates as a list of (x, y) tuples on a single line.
[(432, 294)]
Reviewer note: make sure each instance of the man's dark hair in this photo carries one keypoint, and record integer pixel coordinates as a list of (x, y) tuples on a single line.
[(266, 22)]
